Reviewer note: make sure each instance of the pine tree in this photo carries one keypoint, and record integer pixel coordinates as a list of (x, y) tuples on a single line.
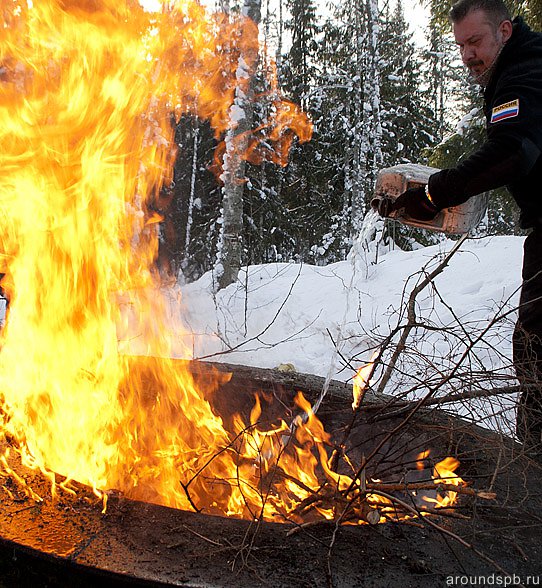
[(299, 68), (409, 122)]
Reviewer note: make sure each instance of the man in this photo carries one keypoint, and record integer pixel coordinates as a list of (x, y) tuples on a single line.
[(505, 58)]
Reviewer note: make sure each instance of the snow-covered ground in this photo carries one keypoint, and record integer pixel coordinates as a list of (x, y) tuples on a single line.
[(289, 313), (328, 320)]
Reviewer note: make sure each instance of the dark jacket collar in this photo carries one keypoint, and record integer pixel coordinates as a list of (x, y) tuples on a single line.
[(511, 52)]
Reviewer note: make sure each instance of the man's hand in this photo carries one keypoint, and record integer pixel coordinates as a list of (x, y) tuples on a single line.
[(384, 206), (414, 201)]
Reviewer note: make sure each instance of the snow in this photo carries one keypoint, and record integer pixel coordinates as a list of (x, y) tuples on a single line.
[(282, 313), (328, 320), (469, 120)]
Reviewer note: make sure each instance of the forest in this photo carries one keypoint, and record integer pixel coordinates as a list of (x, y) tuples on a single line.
[(374, 98)]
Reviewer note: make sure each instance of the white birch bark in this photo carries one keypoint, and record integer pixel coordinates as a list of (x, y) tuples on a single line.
[(192, 190), (360, 144), (233, 176)]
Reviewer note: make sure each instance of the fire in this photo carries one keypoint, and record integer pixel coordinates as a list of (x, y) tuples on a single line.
[(361, 380), (87, 89), (443, 473), (422, 456)]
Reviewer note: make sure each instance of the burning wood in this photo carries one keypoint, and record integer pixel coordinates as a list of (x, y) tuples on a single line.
[(288, 475), (86, 94), (284, 475)]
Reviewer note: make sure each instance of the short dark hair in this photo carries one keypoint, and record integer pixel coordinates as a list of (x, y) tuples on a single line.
[(496, 10)]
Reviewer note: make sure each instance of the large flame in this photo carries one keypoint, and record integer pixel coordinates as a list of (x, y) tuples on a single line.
[(87, 92)]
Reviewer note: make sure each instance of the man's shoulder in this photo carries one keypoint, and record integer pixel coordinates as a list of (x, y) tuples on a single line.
[(528, 45), (515, 90), (523, 33), (523, 59)]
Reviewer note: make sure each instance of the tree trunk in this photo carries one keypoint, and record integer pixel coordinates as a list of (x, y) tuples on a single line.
[(368, 156), (233, 175), (374, 93), (192, 195)]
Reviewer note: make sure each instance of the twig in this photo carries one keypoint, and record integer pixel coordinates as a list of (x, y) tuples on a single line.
[(432, 390), (411, 311), (443, 512), (30, 507), (384, 487), (497, 469), (185, 489), (264, 330), (448, 399), (178, 544), (308, 525), (329, 571)]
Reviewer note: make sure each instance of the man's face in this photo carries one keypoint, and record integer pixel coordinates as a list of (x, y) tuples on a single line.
[(480, 41)]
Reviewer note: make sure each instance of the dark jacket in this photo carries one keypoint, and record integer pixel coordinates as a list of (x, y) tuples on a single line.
[(512, 153)]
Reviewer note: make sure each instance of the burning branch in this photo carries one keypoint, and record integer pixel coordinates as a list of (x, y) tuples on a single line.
[(412, 487), (428, 399)]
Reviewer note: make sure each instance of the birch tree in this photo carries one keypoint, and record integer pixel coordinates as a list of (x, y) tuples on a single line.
[(230, 244), (356, 151)]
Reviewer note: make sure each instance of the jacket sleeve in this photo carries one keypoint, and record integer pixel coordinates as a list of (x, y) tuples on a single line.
[(509, 152)]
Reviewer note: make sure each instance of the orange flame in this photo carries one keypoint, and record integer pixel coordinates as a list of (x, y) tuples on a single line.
[(420, 461), (87, 88), (443, 473), (86, 92), (361, 380)]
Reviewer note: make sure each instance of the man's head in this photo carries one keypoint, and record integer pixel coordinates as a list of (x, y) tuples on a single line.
[(481, 29)]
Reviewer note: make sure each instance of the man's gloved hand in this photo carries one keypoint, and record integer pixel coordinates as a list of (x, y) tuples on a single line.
[(415, 202), (384, 206)]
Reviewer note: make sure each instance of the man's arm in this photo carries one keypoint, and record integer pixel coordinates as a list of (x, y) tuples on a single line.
[(509, 152)]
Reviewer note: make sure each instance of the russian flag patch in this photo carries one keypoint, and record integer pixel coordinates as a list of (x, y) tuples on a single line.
[(504, 111)]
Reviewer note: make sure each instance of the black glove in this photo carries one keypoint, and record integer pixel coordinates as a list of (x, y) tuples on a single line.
[(383, 205), (414, 201)]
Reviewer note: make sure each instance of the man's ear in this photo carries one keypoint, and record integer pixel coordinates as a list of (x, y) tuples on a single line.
[(505, 28)]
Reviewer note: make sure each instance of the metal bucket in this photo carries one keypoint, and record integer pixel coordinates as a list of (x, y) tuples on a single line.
[(457, 220)]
